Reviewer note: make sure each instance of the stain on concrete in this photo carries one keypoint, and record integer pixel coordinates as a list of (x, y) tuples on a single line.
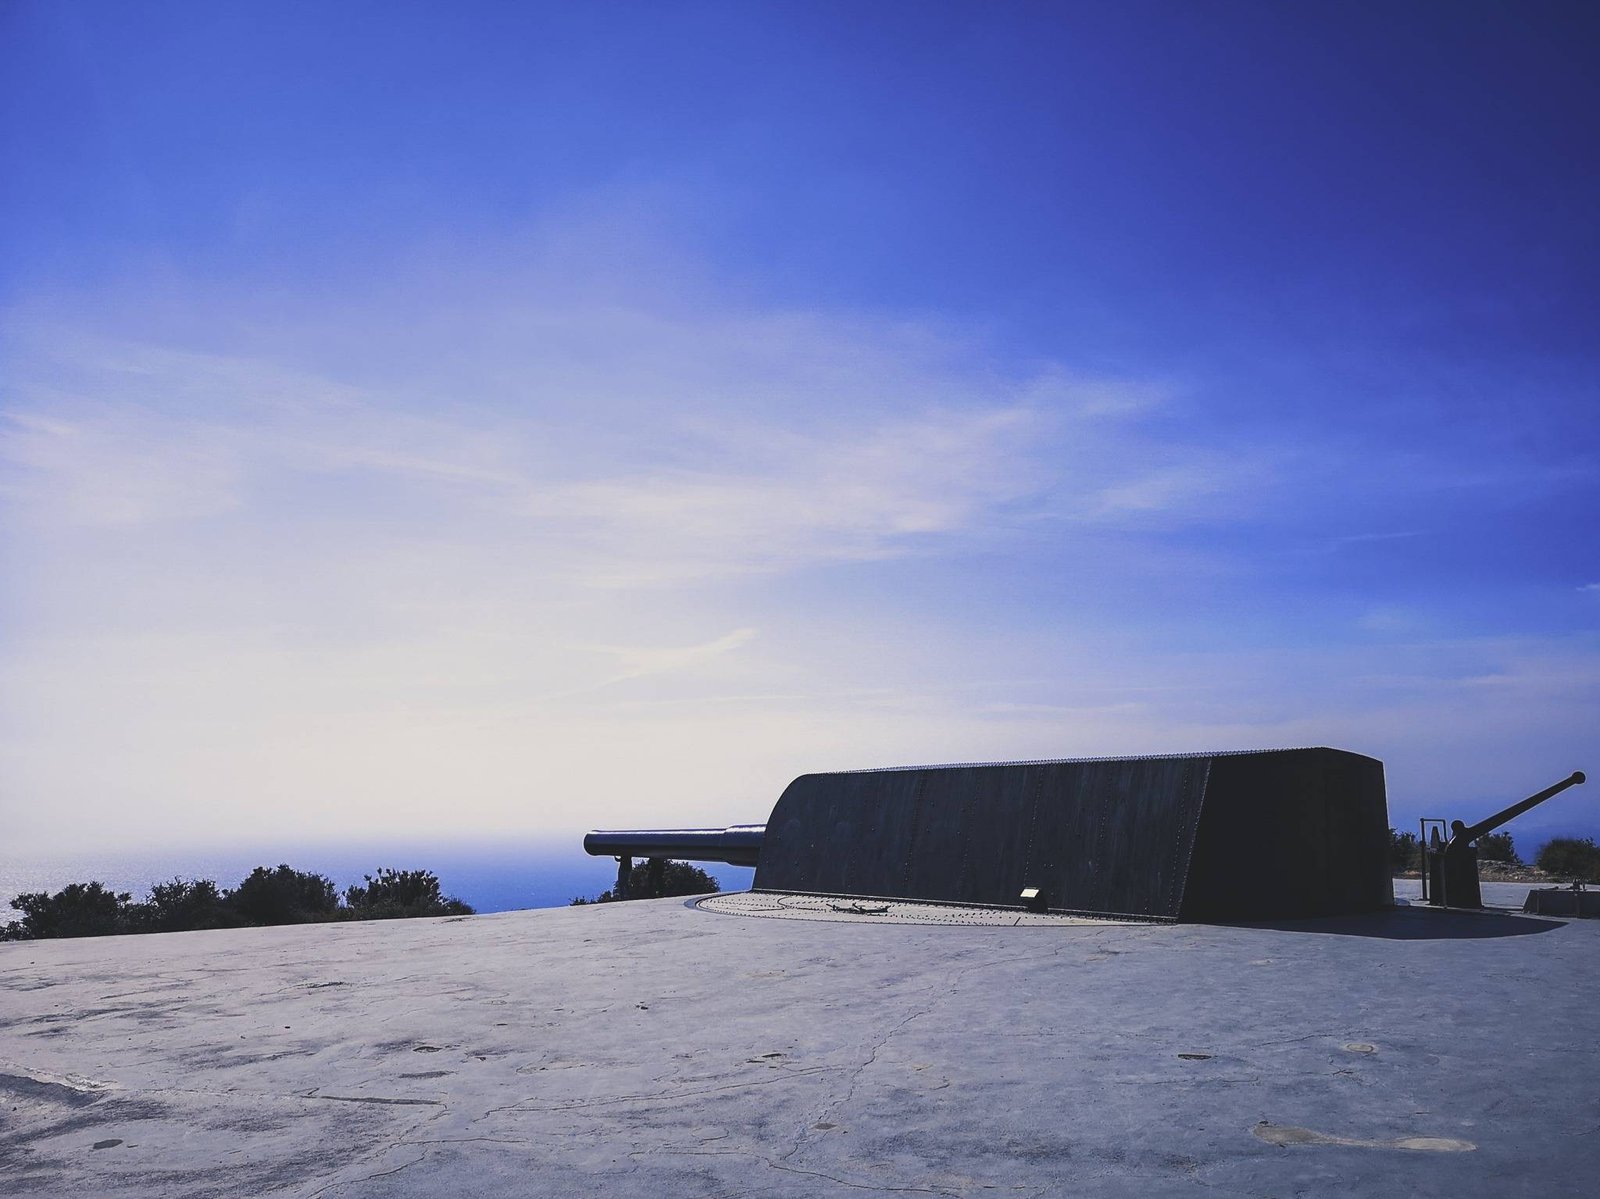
[(1288, 1134)]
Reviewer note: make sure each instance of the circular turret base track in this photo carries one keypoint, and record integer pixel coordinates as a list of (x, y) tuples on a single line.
[(784, 906)]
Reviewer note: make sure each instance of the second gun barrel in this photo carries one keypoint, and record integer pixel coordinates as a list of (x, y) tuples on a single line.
[(1462, 835)]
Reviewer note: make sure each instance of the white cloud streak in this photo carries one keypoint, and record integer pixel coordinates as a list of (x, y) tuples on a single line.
[(159, 436), (637, 662)]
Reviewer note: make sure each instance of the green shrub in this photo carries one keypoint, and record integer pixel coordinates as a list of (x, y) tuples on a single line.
[(1570, 857), (77, 910), (182, 905), (1403, 852), (395, 894), (1497, 847), (679, 878), (283, 896), (267, 896), (658, 879)]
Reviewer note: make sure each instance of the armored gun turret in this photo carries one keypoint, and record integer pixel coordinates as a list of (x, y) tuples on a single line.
[(1244, 835)]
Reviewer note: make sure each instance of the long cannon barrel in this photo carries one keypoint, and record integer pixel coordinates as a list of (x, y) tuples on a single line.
[(737, 845), (1461, 834)]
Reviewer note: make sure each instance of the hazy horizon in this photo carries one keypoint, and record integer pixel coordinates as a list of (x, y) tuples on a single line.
[(495, 421)]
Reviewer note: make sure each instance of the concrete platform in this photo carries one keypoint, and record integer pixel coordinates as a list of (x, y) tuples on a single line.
[(654, 1049)]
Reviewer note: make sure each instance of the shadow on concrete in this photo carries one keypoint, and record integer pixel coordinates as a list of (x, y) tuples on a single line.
[(1415, 924)]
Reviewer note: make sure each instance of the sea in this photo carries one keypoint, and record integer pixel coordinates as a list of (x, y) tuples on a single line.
[(492, 876)]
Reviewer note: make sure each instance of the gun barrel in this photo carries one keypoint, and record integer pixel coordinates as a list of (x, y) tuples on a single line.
[(737, 845), (1462, 835)]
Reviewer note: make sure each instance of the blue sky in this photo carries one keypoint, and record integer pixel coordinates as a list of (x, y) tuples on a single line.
[(507, 418)]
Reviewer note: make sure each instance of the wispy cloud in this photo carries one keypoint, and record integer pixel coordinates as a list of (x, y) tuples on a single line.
[(788, 500), (1363, 538), (116, 468), (152, 436), (636, 662)]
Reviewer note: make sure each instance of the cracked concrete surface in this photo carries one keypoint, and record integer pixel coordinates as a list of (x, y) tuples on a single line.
[(652, 1048)]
